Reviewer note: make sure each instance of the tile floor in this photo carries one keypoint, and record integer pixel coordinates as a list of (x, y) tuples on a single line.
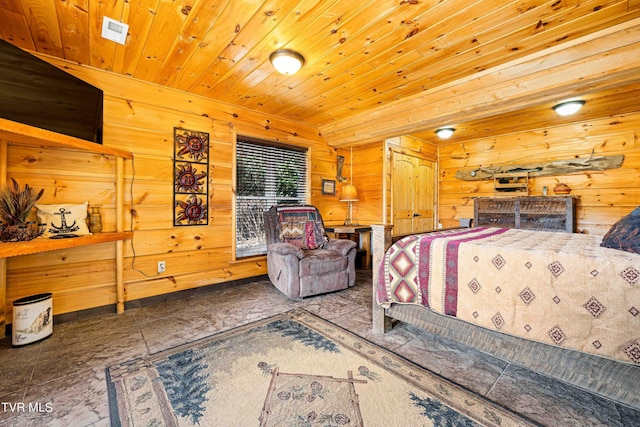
[(63, 377)]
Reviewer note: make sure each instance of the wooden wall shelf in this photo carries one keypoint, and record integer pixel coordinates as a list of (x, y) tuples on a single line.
[(11, 249), (511, 183), (19, 134)]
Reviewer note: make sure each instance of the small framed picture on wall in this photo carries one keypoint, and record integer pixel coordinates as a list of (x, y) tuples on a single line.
[(329, 187)]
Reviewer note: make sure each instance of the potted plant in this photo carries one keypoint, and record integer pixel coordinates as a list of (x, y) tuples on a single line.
[(16, 205)]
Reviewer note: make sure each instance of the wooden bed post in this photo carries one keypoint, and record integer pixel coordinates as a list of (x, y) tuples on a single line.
[(380, 242)]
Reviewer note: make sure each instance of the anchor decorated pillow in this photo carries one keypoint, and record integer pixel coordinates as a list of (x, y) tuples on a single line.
[(63, 220)]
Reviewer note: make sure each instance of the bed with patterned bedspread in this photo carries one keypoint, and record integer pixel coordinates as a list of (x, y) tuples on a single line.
[(557, 288)]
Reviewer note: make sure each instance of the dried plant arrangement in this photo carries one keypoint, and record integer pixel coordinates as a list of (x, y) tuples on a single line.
[(16, 205)]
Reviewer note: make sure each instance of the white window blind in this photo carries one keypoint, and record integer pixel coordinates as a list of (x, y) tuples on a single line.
[(266, 175)]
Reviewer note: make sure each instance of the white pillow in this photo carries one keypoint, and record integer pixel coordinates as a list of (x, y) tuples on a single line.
[(63, 220)]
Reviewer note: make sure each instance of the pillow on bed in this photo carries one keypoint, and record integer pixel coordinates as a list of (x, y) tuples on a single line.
[(64, 220), (625, 234)]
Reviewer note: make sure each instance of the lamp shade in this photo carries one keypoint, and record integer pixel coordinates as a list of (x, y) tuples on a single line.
[(286, 61), (349, 193)]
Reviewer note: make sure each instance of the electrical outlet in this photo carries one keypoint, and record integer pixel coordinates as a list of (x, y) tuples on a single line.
[(162, 267)]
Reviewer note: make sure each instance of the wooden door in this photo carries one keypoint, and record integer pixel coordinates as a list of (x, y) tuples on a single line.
[(413, 188)]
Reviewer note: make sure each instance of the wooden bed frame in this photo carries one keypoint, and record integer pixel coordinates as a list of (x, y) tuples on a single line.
[(618, 381)]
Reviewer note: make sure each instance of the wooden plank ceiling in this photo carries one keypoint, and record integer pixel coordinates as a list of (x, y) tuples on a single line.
[(361, 55)]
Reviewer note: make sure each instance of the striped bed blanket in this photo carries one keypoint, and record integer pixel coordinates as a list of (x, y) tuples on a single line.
[(557, 288)]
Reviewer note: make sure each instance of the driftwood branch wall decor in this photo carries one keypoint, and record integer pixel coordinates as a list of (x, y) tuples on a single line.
[(339, 176), (558, 167)]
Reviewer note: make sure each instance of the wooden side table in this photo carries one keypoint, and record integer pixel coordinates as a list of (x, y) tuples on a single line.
[(360, 232)]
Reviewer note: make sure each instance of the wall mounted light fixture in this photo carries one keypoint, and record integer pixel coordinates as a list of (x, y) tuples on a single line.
[(445, 133), (286, 61), (568, 108)]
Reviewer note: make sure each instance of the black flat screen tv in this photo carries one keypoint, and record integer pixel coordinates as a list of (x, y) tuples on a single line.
[(38, 94)]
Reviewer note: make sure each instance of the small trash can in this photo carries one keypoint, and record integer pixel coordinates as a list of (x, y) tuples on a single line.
[(32, 319), (466, 222)]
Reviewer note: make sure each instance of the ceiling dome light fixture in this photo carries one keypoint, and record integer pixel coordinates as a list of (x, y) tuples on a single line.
[(286, 61), (445, 133), (568, 108)]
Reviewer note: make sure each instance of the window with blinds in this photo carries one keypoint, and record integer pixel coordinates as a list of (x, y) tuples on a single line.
[(266, 175)]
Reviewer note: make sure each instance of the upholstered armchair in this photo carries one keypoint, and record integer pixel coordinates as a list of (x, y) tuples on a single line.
[(301, 259)]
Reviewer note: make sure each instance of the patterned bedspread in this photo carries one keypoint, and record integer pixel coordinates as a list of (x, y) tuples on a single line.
[(558, 288)]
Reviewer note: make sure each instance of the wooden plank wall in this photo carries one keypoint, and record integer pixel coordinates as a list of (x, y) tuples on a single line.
[(140, 117), (603, 197), (67, 177), (367, 178), (372, 178), (325, 167)]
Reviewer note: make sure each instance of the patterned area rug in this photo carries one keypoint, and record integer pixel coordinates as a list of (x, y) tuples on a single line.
[(290, 370)]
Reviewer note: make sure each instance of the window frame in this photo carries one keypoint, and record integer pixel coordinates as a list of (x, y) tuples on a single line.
[(234, 212)]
